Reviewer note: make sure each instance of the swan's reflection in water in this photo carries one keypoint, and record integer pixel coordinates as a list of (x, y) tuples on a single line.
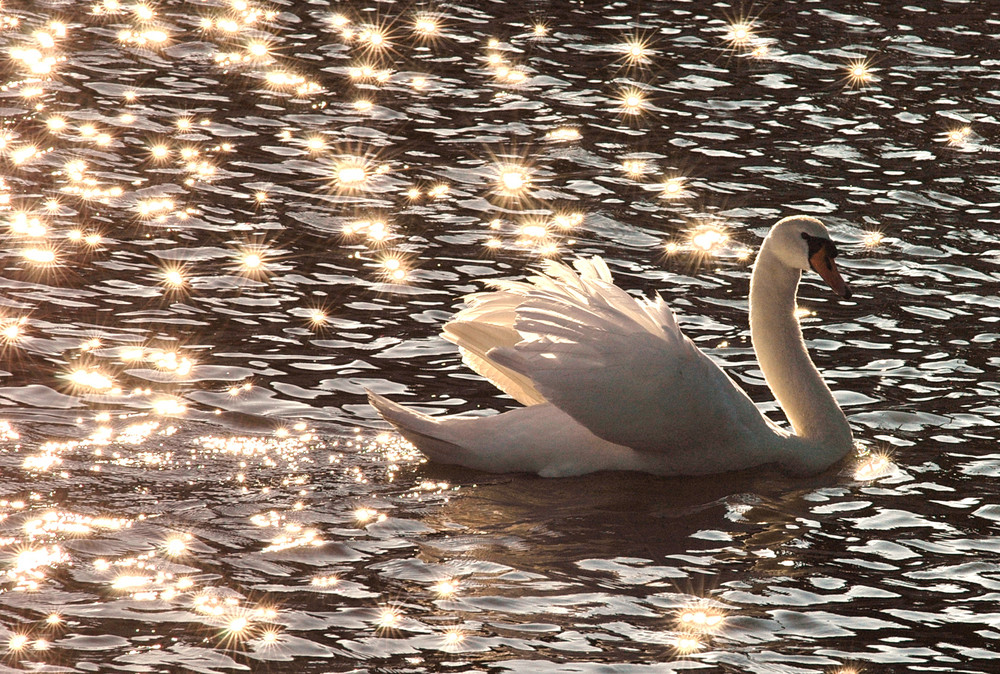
[(686, 566), (616, 514)]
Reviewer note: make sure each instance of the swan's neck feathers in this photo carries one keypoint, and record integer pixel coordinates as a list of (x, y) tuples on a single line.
[(822, 434)]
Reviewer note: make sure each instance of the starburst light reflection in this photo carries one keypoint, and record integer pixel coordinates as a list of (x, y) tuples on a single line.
[(859, 73), (959, 136), (700, 618), (512, 180), (173, 277), (427, 26), (686, 644), (632, 101), (636, 50), (872, 239), (740, 33), (874, 466), (708, 239), (674, 188), (388, 618), (453, 638), (445, 588), (351, 175)]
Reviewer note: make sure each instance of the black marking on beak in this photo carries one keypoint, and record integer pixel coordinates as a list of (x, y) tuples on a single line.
[(821, 255)]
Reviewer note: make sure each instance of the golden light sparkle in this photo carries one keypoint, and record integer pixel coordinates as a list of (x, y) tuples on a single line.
[(859, 73), (17, 642), (636, 50), (564, 134), (315, 143), (708, 239), (91, 379), (635, 168), (169, 407), (325, 581), (39, 256), (365, 515), (351, 175), (175, 547), (959, 136), (445, 588), (740, 33), (318, 317), (700, 618), (512, 180), (632, 101), (159, 152), (388, 618), (876, 465), (11, 331), (173, 277), (374, 38), (674, 188), (427, 25), (453, 637), (686, 644), (394, 268), (252, 260), (872, 239)]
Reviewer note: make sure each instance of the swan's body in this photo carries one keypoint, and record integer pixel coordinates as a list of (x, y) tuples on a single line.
[(610, 382)]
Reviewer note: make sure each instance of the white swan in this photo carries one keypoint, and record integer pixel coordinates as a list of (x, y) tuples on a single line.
[(610, 382)]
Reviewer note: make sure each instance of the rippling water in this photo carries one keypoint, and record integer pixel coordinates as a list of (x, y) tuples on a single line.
[(224, 220)]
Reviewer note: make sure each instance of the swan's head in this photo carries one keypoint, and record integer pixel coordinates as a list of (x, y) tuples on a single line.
[(802, 242)]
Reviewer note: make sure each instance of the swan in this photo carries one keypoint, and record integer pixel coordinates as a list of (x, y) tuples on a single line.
[(609, 382)]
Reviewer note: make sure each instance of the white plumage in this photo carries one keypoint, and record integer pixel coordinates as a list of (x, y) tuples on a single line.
[(609, 382)]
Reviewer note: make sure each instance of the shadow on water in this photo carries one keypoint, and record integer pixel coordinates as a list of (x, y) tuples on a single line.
[(534, 523)]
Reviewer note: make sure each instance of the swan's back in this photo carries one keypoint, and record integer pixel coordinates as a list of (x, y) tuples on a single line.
[(619, 373)]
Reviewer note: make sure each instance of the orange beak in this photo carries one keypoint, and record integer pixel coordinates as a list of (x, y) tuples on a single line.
[(823, 264)]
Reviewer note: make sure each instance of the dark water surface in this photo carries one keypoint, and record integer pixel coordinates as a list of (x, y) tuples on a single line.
[(224, 220)]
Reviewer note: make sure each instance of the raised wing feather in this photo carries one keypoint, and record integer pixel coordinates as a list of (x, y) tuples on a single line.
[(623, 368), (475, 339), (488, 320)]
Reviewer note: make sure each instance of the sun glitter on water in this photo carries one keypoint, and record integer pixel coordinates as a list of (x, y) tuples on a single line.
[(445, 588), (874, 466), (700, 618), (674, 188), (351, 175), (513, 180), (686, 644), (740, 33), (389, 618), (959, 136), (636, 51), (872, 239), (632, 101), (860, 74), (708, 239), (394, 268)]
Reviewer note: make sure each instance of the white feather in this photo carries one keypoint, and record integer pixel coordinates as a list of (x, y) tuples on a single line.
[(611, 382)]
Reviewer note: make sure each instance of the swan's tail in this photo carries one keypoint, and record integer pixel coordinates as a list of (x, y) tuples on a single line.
[(535, 439), (428, 434)]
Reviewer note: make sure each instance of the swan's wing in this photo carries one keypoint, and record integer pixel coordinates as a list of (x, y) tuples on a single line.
[(475, 340), (488, 322), (623, 368)]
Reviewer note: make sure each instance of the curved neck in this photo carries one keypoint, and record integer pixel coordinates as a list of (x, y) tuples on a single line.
[(822, 434)]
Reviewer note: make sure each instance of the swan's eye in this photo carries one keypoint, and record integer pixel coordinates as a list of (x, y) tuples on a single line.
[(818, 243)]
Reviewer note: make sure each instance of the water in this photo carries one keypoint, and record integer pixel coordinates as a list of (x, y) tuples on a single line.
[(192, 480)]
